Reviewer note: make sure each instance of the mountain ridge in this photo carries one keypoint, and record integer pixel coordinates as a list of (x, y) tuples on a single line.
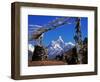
[(58, 47)]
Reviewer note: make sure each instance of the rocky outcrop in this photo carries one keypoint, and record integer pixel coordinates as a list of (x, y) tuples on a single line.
[(39, 53)]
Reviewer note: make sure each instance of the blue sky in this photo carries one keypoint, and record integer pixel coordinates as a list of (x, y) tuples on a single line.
[(66, 31)]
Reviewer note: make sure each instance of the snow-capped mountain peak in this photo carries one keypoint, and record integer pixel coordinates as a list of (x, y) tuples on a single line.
[(58, 46), (31, 47), (70, 43), (60, 39)]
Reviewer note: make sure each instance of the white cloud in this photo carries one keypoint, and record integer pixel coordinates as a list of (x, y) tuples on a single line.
[(35, 25)]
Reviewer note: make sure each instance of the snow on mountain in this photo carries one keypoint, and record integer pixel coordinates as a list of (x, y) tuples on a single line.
[(58, 47), (70, 43), (31, 47), (68, 46), (30, 51)]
